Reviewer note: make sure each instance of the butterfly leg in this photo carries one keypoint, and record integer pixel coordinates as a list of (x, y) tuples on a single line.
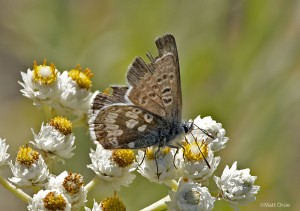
[(155, 155), (177, 149), (143, 157), (199, 147)]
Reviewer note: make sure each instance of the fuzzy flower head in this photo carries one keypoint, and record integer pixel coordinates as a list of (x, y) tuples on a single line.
[(29, 169), (196, 160), (108, 204), (3, 152), (75, 91), (56, 138), (41, 84), (49, 200), (190, 196), (237, 186), (157, 165), (215, 133), (71, 184), (113, 167)]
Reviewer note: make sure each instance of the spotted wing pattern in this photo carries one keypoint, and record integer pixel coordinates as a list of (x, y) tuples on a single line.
[(148, 111), (127, 126), (156, 86)]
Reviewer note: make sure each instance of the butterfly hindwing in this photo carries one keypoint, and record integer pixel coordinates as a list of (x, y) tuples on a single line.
[(117, 96), (127, 126)]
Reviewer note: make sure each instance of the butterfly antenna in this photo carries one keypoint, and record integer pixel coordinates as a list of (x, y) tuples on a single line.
[(199, 147), (205, 132)]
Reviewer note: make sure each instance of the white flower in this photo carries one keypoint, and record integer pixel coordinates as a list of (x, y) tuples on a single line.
[(191, 162), (190, 196), (71, 184), (160, 169), (54, 142), (41, 84), (214, 129), (3, 152), (237, 186), (49, 200), (109, 203), (29, 169), (96, 207), (113, 167), (73, 97)]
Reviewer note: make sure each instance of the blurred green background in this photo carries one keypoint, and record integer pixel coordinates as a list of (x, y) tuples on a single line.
[(240, 64)]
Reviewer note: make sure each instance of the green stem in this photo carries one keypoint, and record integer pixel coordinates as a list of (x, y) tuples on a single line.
[(173, 184), (91, 184), (79, 122), (18, 192), (158, 206)]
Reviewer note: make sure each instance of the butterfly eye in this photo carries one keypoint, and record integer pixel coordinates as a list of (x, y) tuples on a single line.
[(165, 76), (171, 76), (185, 128)]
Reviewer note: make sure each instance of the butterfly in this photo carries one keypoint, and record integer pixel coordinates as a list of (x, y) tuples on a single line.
[(146, 112)]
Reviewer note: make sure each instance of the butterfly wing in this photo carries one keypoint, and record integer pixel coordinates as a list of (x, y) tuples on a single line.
[(156, 86), (127, 126)]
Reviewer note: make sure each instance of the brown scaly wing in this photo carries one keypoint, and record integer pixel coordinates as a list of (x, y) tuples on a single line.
[(156, 86)]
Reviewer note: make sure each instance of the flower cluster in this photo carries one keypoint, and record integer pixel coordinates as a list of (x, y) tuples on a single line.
[(186, 165), (66, 92), (194, 162)]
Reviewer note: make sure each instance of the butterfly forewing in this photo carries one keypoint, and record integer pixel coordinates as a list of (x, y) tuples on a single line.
[(156, 86), (127, 126)]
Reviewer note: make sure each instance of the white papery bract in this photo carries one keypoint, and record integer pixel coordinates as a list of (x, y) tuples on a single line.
[(49, 200), (96, 207), (164, 163), (3, 152), (112, 176), (237, 186), (29, 175), (190, 196), (53, 142), (214, 129), (38, 90), (71, 184), (74, 98)]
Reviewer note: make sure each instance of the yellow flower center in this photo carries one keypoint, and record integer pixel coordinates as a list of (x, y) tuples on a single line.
[(123, 157), (73, 182), (82, 78), (62, 124), (112, 204), (192, 152), (27, 155), (54, 201), (44, 74), (150, 152)]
